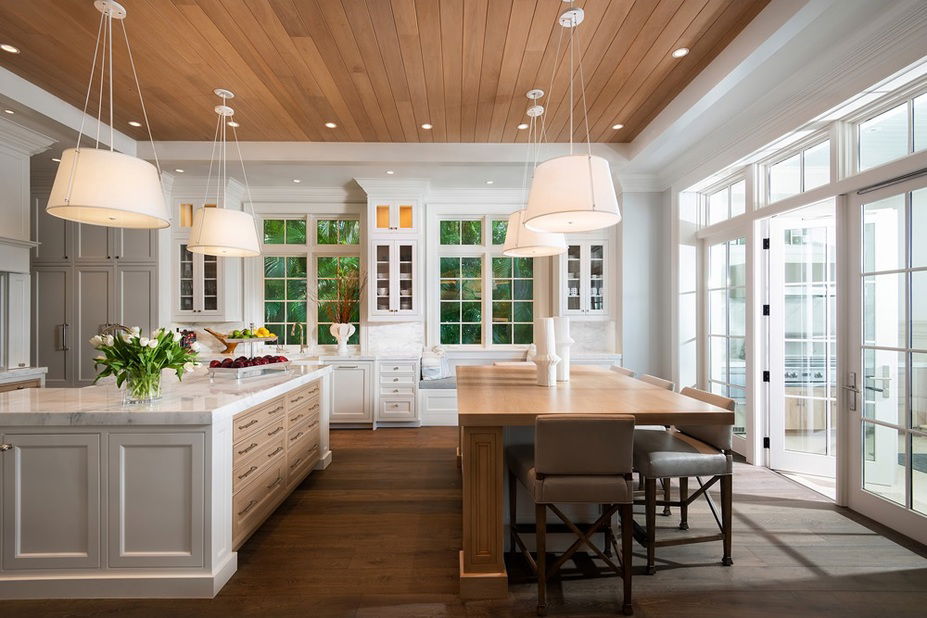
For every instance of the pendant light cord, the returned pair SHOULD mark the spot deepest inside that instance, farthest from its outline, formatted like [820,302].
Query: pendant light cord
[212,157]
[103,49]
[112,130]
[93,68]
[141,99]
[244,175]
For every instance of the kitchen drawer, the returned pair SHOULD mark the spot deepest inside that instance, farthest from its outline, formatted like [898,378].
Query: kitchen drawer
[250,421]
[251,505]
[251,466]
[302,413]
[396,409]
[396,391]
[397,367]
[398,380]
[301,458]
[304,395]
[266,432]
[302,429]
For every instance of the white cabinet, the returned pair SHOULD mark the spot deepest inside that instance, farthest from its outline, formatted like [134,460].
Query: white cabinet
[393,284]
[397,388]
[17,293]
[393,217]
[51,501]
[351,392]
[583,279]
[204,286]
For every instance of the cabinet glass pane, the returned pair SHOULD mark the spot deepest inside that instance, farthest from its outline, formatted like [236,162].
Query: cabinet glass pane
[186,279]
[383,216]
[405,217]
[883,138]
[574,278]
[596,277]
[383,277]
[406,277]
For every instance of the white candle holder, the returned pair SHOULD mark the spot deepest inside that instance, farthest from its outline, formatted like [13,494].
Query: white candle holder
[563,343]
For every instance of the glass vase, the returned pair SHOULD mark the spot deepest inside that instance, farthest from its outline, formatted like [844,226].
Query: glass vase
[142,388]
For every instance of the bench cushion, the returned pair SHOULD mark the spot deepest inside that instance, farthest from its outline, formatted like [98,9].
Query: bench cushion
[669,453]
[443,383]
[554,489]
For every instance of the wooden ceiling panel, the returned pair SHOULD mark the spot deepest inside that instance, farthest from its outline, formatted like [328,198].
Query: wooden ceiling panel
[379,69]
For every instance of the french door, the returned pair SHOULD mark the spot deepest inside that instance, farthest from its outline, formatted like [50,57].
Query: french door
[803,340]
[886,381]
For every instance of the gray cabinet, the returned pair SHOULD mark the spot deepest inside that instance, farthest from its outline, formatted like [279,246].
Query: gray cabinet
[52,294]
[52,234]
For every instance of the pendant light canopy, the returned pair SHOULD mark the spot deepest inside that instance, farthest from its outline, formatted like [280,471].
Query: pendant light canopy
[519,240]
[576,192]
[222,231]
[105,187]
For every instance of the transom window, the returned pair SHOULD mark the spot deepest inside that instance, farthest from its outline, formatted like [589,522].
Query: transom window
[893,134]
[461,232]
[727,202]
[328,231]
[803,171]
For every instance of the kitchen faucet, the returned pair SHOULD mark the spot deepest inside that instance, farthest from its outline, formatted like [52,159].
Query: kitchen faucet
[302,335]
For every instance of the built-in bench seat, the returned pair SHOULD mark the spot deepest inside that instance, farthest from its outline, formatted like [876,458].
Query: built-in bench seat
[441,384]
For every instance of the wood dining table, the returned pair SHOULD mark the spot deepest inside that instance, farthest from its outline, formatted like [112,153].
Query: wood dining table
[491,398]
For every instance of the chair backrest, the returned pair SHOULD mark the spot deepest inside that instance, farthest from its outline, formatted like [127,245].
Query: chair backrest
[583,444]
[670,386]
[622,370]
[718,436]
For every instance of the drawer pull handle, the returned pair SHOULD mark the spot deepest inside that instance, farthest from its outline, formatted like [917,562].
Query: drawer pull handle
[275,483]
[395,368]
[247,508]
[296,418]
[300,398]
[275,410]
[296,437]
[248,473]
[245,450]
[395,390]
[279,449]
[395,379]
[295,463]
[253,421]
[275,431]
[313,424]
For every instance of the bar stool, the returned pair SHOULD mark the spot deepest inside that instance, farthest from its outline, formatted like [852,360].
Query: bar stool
[576,459]
[682,452]
[622,370]
[670,386]
[659,382]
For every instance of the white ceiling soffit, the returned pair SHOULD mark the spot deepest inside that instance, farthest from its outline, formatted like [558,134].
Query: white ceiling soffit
[796,60]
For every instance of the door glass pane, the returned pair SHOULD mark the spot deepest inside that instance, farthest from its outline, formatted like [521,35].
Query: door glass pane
[737,262]
[884,235]
[817,165]
[919,310]
[718,349]
[883,138]
[785,178]
[737,311]
[717,266]
[717,312]
[919,473]
[884,385]
[919,227]
[883,310]
[919,392]
[883,462]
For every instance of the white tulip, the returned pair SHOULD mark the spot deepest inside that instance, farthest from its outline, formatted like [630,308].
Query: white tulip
[135,331]
[143,341]
[125,336]
[196,346]
[157,333]
[153,343]
[109,340]
[188,367]
[100,357]
[96,340]
[177,336]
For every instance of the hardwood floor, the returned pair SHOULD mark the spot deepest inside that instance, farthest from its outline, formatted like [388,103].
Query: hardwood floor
[377,534]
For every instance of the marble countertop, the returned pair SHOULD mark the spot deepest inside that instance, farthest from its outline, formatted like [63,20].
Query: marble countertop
[196,400]
[17,374]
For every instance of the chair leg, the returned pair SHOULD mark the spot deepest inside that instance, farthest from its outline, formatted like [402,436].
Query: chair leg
[683,508]
[627,540]
[650,497]
[540,519]
[513,495]
[667,496]
[727,494]
[607,533]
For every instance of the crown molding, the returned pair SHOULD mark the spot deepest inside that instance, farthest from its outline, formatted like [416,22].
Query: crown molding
[414,188]
[308,194]
[477,196]
[21,140]
[640,183]
[20,244]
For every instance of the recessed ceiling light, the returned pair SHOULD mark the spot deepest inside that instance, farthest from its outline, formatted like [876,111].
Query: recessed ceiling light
[135,123]
[330,125]
[489,182]
[426,126]
[523,126]
[8,111]
[233,124]
[9,48]
[617,126]
[679,53]
[390,172]
[297,180]
[56,159]
[179,171]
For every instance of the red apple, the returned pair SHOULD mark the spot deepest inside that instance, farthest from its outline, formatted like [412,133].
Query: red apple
[215,363]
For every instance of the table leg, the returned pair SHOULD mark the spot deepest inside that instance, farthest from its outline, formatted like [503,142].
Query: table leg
[482,566]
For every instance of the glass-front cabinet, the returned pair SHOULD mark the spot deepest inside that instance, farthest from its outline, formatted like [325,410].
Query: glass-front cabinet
[583,279]
[392,289]
[397,216]
[199,293]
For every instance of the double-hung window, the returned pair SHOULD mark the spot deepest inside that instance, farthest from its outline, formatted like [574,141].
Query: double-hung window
[307,260]
[484,298]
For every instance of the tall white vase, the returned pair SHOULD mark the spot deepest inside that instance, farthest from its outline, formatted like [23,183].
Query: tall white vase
[564,343]
[341,333]
[546,358]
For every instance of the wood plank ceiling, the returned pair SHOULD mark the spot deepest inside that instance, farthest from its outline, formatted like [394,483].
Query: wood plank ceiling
[379,69]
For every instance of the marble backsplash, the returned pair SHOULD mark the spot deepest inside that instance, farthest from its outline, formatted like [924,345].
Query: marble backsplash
[402,339]
[593,337]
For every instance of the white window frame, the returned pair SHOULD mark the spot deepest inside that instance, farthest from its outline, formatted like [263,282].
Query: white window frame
[797,148]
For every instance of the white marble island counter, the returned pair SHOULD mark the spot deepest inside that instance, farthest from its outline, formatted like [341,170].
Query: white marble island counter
[99,499]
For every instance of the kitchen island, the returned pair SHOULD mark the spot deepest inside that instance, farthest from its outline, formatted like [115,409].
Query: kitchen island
[100,499]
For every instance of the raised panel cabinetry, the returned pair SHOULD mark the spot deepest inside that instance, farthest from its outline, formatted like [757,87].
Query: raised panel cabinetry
[352,395]
[394,293]
[397,389]
[393,217]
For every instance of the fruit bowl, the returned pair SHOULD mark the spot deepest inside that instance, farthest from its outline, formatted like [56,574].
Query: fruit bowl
[242,366]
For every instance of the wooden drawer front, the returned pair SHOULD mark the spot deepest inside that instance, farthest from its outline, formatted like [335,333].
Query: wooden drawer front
[300,415]
[397,367]
[301,429]
[251,506]
[396,391]
[18,386]
[301,458]
[399,409]
[396,380]
[255,462]
[306,395]
[250,421]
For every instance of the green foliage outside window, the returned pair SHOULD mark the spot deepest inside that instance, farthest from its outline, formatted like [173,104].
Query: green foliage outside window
[512,300]
[285,299]
[284,231]
[329,270]
[461,300]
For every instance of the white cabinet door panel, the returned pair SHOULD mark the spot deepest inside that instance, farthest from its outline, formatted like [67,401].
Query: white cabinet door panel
[351,395]
[156,488]
[51,501]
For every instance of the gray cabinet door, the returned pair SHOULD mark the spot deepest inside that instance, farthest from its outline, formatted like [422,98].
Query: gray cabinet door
[94,304]
[136,297]
[92,243]
[52,291]
[52,234]
[135,245]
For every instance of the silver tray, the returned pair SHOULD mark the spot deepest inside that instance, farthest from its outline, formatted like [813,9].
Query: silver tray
[247,372]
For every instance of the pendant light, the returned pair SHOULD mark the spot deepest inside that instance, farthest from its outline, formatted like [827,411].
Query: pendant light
[222,231]
[105,187]
[574,192]
[519,240]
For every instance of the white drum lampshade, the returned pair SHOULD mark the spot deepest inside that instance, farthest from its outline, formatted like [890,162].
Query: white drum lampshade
[572,193]
[104,187]
[522,242]
[224,232]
